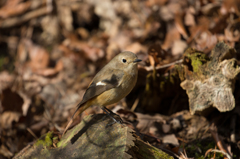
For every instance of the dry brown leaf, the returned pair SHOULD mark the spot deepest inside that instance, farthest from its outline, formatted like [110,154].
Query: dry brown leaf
[22,53]
[91,53]
[13,7]
[5,152]
[51,29]
[230,6]
[146,121]
[151,60]
[37,11]
[165,13]
[112,50]
[17,7]
[33,80]
[26,102]
[172,35]
[231,36]
[47,72]
[34,87]
[156,55]
[151,27]
[51,71]
[170,139]
[39,57]
[123,7]
[83,33]
[189,19]
[203,25]
[210,8]
[65,14]
[122,40]
[8,117]
[6,80]
[206,41]
[39,125]
[178,48]
[166,128]
[179,25]
[136,47]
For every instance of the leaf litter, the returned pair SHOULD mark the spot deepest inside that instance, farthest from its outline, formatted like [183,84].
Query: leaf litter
[50,52]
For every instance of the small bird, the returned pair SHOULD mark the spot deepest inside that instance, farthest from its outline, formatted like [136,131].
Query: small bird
[112,83]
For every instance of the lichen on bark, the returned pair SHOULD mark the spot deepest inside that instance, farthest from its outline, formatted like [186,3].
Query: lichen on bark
[209,81]
[95,137]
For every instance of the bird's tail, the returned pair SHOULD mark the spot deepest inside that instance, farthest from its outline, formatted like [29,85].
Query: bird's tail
[79,110]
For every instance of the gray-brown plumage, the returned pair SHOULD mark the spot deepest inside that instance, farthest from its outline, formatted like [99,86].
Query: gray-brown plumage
[112,83]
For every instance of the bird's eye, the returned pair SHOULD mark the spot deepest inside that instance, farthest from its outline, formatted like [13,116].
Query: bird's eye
[124,60]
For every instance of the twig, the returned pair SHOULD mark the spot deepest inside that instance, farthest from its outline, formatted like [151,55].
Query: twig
[32,133]
[135,104]
[214,133]
[150,68]
[10,22]
[233,128]
[25,149]
[218,151]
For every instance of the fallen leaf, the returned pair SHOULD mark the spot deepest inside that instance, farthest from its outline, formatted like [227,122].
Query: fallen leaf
[172,35]
[8,117]
[5,152]
[6,80]
[170,139]
[26,102]
[179,25]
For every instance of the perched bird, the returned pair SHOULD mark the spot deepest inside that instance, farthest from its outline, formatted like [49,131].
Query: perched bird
[112,83]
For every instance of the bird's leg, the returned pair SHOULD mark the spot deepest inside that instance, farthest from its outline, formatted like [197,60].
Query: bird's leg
[110,113]
[114,114]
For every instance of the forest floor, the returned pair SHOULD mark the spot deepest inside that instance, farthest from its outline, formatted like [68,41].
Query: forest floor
[50,51]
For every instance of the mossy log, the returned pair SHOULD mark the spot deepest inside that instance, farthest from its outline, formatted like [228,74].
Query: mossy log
[209,81]
[95,137]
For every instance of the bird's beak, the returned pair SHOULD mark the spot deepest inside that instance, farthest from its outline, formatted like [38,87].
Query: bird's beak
[137,60]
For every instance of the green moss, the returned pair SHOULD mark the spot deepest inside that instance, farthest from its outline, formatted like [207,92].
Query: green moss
[84,75]
[63,143]
[148,151]
[162,84]
[2,59]
[197,60]
[69,135]
[154,75]
[198,150]
[147,88]
[180,72]
[159,154]
[55,138]
[6,62]
[148,81]
[47,140]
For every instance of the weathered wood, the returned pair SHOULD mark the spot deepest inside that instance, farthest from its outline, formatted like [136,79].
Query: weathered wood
[95,137]
[209,81]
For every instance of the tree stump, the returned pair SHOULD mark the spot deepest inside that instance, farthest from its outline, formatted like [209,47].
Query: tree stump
[95,137]
[209,81]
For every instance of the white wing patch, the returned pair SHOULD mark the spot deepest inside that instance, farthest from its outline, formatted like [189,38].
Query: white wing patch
[100,83]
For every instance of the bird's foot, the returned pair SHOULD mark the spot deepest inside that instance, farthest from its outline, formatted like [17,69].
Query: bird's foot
[111,114]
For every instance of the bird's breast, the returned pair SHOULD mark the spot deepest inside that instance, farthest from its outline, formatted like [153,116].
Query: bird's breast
[116,94]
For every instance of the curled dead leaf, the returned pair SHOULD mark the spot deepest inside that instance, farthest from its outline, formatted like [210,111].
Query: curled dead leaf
[8,117]
[26,102]
[6,80]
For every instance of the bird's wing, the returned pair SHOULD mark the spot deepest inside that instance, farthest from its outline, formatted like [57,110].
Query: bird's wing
[101,84]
